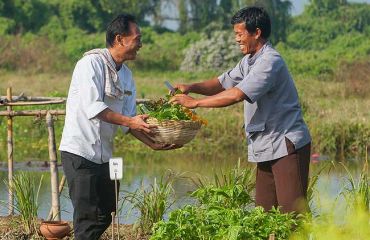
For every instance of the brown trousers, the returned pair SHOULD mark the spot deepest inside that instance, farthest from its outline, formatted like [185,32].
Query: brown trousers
[283,182]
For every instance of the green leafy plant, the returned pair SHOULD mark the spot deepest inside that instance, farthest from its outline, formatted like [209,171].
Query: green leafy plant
[211,222]
[224,212]
[162,109]
[231,189]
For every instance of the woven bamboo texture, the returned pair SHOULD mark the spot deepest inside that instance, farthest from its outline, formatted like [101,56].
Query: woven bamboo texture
[174,132]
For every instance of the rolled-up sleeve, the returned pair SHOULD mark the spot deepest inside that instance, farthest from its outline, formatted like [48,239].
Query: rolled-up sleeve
[232,77]
[91,86]
[261,78]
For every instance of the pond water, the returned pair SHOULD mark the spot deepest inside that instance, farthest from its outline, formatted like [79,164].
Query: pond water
[144,168]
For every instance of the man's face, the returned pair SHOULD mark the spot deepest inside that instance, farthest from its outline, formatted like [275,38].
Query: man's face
[132,42]
[247,41]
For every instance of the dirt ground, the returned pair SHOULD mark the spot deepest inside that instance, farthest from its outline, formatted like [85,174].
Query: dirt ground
[11,229]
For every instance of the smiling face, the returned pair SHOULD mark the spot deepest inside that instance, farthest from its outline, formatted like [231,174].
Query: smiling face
[249,42]
[131,43]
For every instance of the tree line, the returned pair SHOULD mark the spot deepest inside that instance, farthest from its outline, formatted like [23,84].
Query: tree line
[22,16]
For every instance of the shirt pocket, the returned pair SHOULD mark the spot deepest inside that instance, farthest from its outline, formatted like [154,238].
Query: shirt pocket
[258,138]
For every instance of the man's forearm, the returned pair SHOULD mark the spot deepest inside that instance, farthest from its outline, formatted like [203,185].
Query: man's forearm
[109,116]
[222,99]
[208,88]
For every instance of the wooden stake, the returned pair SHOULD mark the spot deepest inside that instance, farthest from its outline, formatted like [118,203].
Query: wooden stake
[55,204]
[272,236]
[112,213]
[10,154]
[61,186]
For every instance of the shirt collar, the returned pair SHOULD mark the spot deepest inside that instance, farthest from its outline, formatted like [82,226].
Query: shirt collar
[251,60]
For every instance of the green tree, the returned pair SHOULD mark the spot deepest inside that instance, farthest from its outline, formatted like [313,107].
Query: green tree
[320,7]
[28,15]
[183,16]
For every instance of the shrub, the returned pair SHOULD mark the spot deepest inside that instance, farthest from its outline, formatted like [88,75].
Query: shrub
[216,53]
[31,53]
[6,25]
[162,51]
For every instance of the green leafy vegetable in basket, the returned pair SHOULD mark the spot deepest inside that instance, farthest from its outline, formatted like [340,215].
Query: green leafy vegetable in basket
[163,110]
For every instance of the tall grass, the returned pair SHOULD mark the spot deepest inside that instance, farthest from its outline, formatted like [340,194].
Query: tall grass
[152,202]
[344,220]
[358,191]
[26,192]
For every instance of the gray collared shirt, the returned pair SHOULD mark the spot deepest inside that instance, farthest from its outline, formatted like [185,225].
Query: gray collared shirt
[273,112]
[84,134]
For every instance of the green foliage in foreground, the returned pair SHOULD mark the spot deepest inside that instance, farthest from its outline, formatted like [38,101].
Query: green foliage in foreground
[224,212]
[214,218]
[192,223]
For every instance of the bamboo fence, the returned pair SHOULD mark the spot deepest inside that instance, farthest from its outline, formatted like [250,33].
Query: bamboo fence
[10,101]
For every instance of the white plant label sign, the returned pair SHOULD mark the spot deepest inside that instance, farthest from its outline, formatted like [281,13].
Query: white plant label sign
[115,168]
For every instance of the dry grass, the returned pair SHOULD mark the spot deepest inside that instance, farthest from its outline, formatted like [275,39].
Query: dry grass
[328,101]
[356,78]
[33,54]
[43,84]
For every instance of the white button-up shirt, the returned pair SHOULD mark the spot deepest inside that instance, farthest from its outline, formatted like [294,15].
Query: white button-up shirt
[83,133]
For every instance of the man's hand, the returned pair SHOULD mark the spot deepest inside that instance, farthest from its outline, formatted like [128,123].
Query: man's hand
[184,88]
[163,146]
[138,123]
[184,100]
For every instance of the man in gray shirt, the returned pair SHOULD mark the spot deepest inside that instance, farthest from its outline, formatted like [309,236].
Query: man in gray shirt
[278,138]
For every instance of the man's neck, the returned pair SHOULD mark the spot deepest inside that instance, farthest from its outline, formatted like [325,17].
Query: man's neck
[260,45]
[117,58]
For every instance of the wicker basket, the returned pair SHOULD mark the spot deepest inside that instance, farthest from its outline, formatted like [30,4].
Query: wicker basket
[174,132]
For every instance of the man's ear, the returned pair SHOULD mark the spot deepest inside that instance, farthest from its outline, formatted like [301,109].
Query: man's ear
[118,39]
[258,33]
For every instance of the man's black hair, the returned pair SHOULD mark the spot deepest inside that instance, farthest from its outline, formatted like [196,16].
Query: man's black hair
[118,26]
[254,17]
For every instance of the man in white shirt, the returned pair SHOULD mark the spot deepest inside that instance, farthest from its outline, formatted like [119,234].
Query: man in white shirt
[101,98]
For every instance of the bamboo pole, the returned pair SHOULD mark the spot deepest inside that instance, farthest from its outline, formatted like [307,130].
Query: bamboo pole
[61,186]
[22,103]
[21,97]
[10,154]
[55,204]
[32,113]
